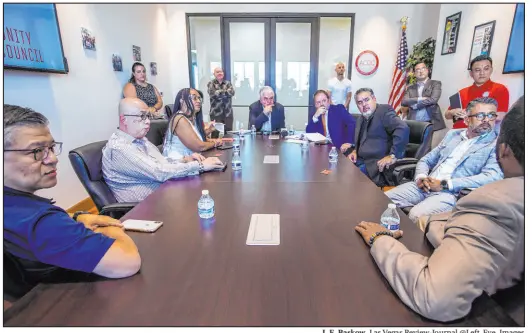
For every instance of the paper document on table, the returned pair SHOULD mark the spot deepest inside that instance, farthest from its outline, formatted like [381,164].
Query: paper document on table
[236,132]
[271,159]
[294,141]
[274,137]
[296,137]
[264,229]
[315,137]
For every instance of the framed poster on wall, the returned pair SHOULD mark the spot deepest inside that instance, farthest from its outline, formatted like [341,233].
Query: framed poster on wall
[32,40]
[482,40]
[450,35]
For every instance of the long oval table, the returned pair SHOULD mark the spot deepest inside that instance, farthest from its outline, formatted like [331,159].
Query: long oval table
[197,272]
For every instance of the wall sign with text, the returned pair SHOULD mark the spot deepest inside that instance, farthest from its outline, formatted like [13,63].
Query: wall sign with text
[367,62]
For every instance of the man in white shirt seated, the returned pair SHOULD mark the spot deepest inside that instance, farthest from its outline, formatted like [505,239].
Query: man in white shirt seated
[339,87]
[133,167]
[479,248]
[464,159]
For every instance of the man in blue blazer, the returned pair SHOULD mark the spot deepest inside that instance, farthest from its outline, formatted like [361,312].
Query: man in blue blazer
[332,121]
[464,159]
[266,114]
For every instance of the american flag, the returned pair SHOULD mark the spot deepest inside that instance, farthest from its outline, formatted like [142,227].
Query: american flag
[399,74]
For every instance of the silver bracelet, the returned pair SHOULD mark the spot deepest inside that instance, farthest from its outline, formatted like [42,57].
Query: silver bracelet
[201,168]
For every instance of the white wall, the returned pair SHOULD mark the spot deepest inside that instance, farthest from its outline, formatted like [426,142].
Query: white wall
[452,70]
[377,28]
[82,105]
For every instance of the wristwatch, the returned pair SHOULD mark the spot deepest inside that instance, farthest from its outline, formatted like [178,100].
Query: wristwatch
[444,185]
[393,157]
[78,213]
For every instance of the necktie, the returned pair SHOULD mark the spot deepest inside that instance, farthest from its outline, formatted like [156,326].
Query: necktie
[324,125]
[142,145]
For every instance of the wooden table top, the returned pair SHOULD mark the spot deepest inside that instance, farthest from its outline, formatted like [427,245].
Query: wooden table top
[196,273]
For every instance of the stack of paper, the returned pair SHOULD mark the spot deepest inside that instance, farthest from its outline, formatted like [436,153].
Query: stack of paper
[315,137]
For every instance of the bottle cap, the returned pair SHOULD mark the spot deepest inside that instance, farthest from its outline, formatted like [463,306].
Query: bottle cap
[392,206]
[205,192]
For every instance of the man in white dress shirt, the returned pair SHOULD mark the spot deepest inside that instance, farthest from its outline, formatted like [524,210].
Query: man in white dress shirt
[339,87]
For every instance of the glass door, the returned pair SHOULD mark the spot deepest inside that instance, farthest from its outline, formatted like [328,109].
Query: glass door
[278,52]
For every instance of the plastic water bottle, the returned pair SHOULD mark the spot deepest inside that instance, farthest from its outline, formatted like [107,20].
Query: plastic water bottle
[333,155]
[206,205]
[390,218]
[236,162]
[241,133]
[305,143]
[236,143]
[291,131]
[253,130]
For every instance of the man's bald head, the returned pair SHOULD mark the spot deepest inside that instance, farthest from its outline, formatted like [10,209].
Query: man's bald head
[131,105]
[128,110]
[218,73]
[340,68]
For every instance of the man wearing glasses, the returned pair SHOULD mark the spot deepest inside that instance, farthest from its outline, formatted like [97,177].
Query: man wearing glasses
[422,98]
[133,167]
[42,243]
[464,159]
[480,70]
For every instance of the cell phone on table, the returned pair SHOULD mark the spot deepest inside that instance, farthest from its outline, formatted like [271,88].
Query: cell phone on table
[225,146]
[142,225]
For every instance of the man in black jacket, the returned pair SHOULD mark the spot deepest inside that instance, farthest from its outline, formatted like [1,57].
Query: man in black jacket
[380,137]
[266,114]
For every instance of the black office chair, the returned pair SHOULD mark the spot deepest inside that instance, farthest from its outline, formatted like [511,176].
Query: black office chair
[87,163]
[419,144]
[168,110]
[157,132]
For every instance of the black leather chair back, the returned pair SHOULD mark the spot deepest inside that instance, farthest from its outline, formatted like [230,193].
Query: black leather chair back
[87,163]
[420,140]
[157,131]
[168,110]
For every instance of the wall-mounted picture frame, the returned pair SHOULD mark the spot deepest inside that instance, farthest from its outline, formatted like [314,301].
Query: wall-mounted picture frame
[482,40]
[515,53]
[450,34]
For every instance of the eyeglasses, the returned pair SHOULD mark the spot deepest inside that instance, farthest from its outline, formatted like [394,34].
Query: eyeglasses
[143,116]
[419,70]
[41,153]
[480,116]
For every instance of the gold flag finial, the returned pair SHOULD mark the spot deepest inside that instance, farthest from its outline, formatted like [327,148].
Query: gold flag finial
[404,22]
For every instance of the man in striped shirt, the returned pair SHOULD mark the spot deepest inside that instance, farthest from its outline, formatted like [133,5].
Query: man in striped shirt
[133,167]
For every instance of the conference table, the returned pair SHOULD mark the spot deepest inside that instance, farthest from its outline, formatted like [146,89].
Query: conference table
[201,272]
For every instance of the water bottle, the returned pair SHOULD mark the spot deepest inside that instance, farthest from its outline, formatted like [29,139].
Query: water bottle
[291,131]
[236,163]
[206,205]
[305,143]
[241,133]
[253,130]
[236,143]
[333,155]
[390,218]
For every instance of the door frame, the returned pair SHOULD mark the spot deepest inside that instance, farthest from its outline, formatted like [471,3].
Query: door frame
[269,34]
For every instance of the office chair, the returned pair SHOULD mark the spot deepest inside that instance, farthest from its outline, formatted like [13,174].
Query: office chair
[87,163]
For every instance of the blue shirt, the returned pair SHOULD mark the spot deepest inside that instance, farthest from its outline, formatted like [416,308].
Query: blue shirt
[38,231]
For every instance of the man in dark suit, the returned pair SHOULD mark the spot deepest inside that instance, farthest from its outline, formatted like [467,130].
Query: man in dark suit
[266,114]
[422,98]
[332,121]
[381,137]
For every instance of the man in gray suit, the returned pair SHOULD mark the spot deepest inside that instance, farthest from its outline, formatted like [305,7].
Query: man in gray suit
[422,98]
[479,247]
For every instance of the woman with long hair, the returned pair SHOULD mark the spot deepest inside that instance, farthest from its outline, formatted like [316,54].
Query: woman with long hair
[138,87]
[186,132]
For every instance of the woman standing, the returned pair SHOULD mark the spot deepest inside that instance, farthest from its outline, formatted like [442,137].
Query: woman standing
[138,87]
[186,132]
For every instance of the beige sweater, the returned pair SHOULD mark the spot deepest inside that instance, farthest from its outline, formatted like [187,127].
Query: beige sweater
[479,248]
